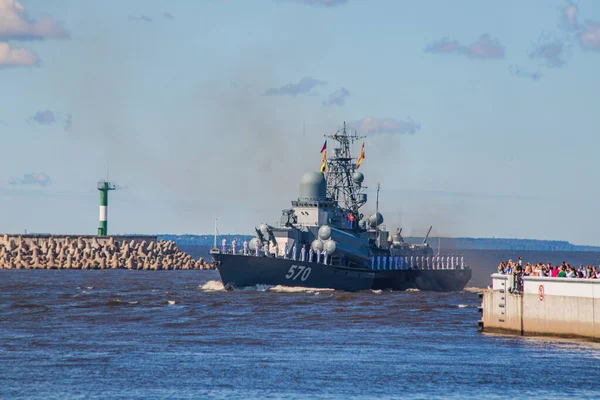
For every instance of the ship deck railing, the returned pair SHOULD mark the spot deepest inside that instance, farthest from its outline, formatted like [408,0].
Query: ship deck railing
[374,266]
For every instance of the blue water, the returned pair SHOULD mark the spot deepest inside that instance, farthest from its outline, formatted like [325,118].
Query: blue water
[176,334]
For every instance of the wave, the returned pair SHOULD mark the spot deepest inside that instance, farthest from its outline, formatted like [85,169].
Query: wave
[297,289]
[213,286]
[473,290]
[116,303]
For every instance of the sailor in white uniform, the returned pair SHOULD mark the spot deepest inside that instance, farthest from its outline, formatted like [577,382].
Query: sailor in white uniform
[311,254]
[245,247]
[325,257]
[462,262]
[233,245]
[276,251]
[318,256]
[303,253]
[224,245]
[266,247]
[294,252]
[257,248]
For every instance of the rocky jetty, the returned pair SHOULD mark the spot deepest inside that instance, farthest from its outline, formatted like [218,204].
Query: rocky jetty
[79,253]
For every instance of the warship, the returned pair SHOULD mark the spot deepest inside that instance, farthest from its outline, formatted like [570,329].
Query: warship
[324,241]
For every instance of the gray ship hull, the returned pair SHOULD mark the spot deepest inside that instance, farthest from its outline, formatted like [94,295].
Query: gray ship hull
[242,271]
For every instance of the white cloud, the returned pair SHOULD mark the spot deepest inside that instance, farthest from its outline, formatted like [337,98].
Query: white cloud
[590,37]
[10,57]
[34,178]
[16,25]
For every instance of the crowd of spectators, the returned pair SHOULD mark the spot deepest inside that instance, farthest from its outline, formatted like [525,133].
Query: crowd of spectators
[565,270]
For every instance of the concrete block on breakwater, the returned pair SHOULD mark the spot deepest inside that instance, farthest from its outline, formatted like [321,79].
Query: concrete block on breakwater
[91,252]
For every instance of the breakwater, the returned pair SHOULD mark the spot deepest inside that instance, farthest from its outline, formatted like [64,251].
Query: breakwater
[91,252]
[544,306]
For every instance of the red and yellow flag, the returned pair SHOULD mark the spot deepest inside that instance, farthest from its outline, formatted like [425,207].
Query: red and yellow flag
[324,157]
[362,155]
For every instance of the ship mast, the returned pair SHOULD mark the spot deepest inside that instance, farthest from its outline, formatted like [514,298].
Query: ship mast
[377,217]
[340,169]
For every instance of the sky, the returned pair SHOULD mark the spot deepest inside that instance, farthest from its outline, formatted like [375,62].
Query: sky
[480,117]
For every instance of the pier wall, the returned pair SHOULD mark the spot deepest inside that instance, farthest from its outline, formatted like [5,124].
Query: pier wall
[564,307]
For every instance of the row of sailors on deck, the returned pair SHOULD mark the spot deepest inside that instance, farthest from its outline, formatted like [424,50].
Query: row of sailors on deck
[412,262]
[286,251]
[377,262]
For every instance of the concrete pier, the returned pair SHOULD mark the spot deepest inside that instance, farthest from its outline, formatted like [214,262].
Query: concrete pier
[562,307]
[92,252]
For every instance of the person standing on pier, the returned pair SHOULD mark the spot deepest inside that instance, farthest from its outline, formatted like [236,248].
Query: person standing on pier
[245,247]
[285,251]
[224,245]
[294,252]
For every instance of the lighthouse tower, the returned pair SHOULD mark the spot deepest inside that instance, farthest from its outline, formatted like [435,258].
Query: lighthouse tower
[104,187]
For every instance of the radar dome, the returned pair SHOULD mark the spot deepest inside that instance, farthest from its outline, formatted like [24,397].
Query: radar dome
[313,187]
[330,246]
[317,245]
[324,232]
[358,177]
[362,224]
[375,220]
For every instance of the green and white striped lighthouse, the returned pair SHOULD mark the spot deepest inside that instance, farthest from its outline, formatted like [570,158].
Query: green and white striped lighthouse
[104,187]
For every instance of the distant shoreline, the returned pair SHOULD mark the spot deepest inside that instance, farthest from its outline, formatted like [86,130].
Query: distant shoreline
[460,243]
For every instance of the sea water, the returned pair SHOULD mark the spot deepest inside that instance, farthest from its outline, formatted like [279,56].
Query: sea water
[178,334]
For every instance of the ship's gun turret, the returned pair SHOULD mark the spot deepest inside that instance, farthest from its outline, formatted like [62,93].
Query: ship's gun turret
[397,238]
